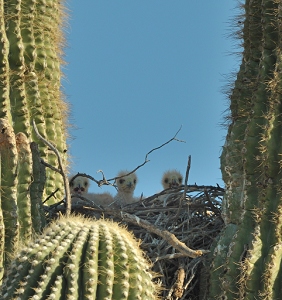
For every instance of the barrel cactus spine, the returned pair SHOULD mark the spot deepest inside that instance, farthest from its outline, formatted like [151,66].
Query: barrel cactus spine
[77,257]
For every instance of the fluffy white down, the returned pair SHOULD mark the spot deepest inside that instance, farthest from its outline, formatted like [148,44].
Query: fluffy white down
[171,179]
[126,186]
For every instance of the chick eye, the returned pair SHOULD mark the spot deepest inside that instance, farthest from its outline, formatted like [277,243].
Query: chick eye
[134,181]
[85,183]
[166,180]
[71,184]
[121,181]
[180,179]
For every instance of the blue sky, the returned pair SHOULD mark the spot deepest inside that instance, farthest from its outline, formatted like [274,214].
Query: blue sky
[137,71]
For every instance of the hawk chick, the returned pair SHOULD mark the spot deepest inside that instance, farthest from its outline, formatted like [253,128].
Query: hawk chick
[126,186]
[79,186]
[171,179]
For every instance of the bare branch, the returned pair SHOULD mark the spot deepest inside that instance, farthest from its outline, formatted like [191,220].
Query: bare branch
[164,234]
[172,139]
[146,156]
[61,168]
[51,195]
[50,166]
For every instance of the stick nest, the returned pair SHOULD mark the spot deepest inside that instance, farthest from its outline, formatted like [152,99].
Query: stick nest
[176,229]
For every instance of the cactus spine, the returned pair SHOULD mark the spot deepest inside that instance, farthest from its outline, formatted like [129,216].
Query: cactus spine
[247,258]
[78,258]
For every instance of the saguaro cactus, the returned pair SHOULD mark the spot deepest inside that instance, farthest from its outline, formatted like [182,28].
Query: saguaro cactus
[76,258]
[247,258]
[31,43]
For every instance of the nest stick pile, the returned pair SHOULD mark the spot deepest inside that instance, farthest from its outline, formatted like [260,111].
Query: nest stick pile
[176,229]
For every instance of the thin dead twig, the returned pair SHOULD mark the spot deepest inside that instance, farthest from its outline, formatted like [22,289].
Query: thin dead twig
[51,195]
[146,160]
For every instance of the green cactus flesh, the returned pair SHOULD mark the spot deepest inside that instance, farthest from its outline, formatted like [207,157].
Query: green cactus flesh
[8,191]
[24,181]
[31,42]
[247,259]
[78,258]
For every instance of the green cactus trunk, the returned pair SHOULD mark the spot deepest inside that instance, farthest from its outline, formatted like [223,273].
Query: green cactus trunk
[31,54]
[31,42]
[78,258]
[247,257]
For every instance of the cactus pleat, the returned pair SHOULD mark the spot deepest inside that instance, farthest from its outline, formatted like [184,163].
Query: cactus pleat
[78,258]
[247,259]
[5,109]
[36,190]
[90,268]
[24,181]
[9,160]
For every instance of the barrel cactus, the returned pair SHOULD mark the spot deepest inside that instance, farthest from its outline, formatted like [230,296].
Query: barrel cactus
[79,258]
[247,257]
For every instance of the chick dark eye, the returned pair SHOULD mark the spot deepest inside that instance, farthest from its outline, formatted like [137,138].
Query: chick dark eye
[85,184]
[180,179]
[71,184]
[166,180]
[121,181]
[134,181]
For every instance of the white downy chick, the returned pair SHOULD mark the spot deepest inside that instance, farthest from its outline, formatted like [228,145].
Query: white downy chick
[78,187]
[171,179]
[126,186]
